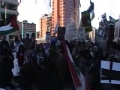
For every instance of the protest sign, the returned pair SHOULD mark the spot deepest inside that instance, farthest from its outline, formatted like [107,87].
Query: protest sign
[70,31]
[81,34]
[110,72]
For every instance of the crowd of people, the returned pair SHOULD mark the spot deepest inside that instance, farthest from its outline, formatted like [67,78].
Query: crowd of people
[48,70]
[38,70]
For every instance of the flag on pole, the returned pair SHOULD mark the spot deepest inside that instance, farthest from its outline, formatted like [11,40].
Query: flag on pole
[86,21]
[91,10]
[8,25]
[112,20]
[104,19]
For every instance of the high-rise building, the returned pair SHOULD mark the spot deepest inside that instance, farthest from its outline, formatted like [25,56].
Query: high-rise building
[28,28]
[64,12]
[45,25]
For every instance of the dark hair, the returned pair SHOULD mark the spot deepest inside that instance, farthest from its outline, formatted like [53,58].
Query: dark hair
[21,46]
[38,48]
[27,34]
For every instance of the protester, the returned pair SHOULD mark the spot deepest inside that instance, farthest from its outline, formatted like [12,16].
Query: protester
[7,65]
[17,43]
[21,56]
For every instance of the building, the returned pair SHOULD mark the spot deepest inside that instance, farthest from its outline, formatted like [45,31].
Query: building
[7,8]
[28,28]
[45,25]
[11,8]
[64,12]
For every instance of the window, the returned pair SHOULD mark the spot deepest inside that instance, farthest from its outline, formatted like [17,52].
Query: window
[3,15]
[9,6]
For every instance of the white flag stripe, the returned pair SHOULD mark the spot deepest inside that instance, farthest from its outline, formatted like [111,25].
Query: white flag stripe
[81,77]
[6,28]
[112,81]
[106,65]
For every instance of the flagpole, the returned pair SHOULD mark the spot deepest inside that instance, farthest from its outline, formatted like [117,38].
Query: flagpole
[22,30]
[5,12]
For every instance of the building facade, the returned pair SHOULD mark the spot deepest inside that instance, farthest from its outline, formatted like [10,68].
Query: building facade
[27,28]
[8,8]
[64,12]
[45,25]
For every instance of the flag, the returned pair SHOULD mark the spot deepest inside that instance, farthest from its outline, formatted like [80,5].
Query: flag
[53,41]
[86,21]
[78,78]
[8,25]
[104,19]
[91,10]
[112,20]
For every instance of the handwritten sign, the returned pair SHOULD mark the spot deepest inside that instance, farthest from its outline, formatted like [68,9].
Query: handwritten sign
[70,32]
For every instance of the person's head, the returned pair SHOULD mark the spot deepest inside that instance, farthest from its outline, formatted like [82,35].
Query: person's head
[33,35]
[27,36]
[16,38]
[21,48]
[40,49]
[88,44]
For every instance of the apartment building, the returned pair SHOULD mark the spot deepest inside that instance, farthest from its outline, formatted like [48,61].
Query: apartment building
[28,28]
[64,12]
[45,25]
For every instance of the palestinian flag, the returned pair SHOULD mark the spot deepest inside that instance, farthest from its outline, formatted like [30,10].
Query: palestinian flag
[8,25]
[77,77]
[86,21]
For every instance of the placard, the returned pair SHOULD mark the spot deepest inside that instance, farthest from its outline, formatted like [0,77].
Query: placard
[110,72]
[70,31]
[81,34]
